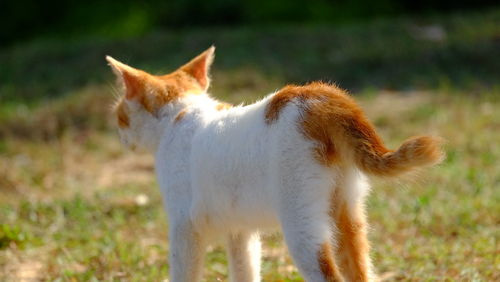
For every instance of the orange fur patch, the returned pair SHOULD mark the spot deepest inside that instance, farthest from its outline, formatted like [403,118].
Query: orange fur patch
[414,152]
[352,241]
[161,90]
[153,92]
[179,116]
[327,110]
[223,106]
[342,131]
[156,91]
[122,116]
[327,263]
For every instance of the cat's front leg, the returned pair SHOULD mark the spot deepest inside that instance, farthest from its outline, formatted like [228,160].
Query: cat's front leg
[243,249]
[187,249]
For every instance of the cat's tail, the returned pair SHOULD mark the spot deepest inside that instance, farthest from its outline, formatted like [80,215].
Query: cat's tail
[372,157]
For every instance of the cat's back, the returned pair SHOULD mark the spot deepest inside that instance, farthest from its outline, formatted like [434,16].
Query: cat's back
[238,133]
[231,167]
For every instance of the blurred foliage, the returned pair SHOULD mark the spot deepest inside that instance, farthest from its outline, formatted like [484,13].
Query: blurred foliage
[453,50]
[24,19]
[11,234]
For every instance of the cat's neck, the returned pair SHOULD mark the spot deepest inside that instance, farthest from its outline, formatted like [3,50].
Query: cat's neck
[202,102]
[198,106]
[185,115]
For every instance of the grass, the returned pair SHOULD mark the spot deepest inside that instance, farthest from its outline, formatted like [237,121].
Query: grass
[75,206]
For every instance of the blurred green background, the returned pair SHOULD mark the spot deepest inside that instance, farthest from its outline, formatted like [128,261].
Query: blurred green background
[26,19]
[50,49]
[75,206]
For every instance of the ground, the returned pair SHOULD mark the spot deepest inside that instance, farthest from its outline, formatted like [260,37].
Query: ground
[74,205]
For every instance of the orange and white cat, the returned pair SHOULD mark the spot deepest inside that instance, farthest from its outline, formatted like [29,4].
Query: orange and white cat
[296,159]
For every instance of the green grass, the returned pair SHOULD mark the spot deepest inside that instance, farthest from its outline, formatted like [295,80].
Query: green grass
[75,206]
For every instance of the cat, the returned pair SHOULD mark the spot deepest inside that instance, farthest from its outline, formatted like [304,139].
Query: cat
[297,159]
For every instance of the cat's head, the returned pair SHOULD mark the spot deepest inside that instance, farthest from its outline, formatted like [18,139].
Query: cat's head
[145,98]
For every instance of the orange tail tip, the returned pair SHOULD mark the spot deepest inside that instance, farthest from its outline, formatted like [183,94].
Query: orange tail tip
[414,153]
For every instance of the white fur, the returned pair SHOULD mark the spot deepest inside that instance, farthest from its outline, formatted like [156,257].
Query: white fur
[227,175]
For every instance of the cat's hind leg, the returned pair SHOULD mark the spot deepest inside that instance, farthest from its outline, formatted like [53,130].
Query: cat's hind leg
[347,212]
[244,251]
[309,235]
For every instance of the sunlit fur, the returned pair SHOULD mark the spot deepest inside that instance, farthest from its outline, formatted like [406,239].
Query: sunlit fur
[296,159]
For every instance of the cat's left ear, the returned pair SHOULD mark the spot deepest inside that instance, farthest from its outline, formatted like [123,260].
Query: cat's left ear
[199,67]
[130,78]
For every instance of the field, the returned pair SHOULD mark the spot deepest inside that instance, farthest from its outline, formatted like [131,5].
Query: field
[76,206]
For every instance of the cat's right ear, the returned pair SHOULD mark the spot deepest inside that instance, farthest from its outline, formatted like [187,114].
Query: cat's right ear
[199,67]
[129,78]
